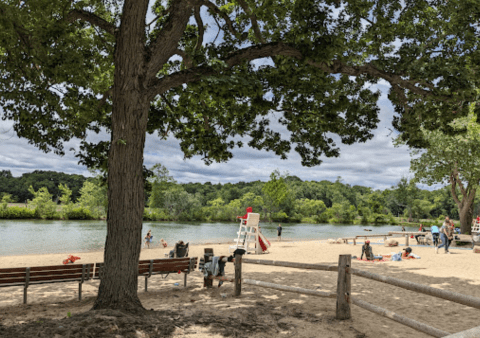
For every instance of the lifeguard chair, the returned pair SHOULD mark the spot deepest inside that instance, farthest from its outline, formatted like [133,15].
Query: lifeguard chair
[248,239]
[476,227]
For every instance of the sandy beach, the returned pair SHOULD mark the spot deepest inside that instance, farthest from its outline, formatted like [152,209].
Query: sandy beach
[294,315]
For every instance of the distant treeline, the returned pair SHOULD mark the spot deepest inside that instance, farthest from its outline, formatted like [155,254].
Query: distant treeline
[18,187]
[284,198]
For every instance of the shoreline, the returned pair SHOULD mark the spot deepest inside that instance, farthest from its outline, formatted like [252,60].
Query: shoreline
[157,247]
[360,241]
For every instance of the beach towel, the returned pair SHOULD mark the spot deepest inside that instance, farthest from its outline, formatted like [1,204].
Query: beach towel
[374,260]
[70,259]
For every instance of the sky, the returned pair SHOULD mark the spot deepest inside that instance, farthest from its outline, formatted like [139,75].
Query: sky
[376,163]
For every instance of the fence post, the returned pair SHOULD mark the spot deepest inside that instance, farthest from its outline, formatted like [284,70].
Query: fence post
[406,240]
[208,255]
[238,275]
[344,286]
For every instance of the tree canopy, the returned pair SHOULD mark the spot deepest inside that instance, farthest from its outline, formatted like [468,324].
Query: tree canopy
[455,160]
[73,68]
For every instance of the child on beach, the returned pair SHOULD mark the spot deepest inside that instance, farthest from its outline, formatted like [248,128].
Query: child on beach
[148,238]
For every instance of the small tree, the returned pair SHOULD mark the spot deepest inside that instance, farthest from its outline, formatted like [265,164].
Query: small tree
[65,198]
[275,192]
[42,200]
[453,159]
[93,197]
[176,200]
[160,181]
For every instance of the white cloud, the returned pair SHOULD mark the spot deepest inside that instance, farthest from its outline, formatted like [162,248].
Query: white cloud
[376,163]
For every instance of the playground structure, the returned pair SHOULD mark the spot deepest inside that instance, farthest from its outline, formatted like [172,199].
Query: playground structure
[248,235]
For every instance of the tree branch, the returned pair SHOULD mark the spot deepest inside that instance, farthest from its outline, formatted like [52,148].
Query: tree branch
[165,12]
[166,43]
[340,67]
[452,187]
[253,19]
[160,86]
[186,59]
[457,179]
[225,17]
[201,29]
[104,98]
[93,19]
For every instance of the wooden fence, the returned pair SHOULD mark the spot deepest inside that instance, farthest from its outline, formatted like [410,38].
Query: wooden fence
[343,292]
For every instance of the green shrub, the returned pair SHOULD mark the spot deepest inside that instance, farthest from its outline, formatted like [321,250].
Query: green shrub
[323,217]
[279,217]
[154,214]
[78,213]
[310,220]
[18,213]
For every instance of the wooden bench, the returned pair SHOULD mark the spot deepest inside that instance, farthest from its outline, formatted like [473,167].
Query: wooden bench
[346,239]
[463,238]
[164,266]
[46,274]
[373,235]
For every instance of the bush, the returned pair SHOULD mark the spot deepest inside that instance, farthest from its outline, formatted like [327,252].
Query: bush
[310,220]
[78,213]
[151,214]
[323,217]
[279,217]
[18,213]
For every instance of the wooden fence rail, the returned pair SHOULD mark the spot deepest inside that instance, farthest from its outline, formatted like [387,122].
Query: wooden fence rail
[323,267]
[290,288]
[400,319]
[472,333]
[439,293]
[344,298]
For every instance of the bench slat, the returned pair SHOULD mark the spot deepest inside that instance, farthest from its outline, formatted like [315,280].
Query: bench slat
[41,273]
[42,282]
[41,278]
[159,265]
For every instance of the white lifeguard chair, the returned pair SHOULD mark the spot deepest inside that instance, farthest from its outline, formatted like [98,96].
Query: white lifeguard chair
[248,235]
[475,227]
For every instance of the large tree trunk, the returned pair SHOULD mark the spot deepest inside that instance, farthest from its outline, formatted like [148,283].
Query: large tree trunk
[119,282]
[466,217]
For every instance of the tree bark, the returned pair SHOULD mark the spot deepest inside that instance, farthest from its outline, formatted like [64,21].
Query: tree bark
[466,217]
[465,206]
[118,285]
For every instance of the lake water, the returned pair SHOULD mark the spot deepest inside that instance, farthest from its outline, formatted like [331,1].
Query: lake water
[22,237]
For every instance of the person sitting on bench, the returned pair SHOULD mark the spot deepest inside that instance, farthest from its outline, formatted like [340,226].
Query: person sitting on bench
[421,229]
[216,267]
[180,250]
[367,250]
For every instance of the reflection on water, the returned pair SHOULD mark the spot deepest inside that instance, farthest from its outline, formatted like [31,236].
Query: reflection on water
[21,237]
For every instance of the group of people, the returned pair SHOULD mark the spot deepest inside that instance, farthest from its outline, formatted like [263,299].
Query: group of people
[149,237]
[446,234]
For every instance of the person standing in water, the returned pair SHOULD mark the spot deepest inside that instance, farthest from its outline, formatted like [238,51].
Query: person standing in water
[148,238]
[279,232]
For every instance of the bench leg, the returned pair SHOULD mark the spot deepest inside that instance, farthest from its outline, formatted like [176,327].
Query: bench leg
[79,291]
[185,280]
[25,295]
[146,284]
